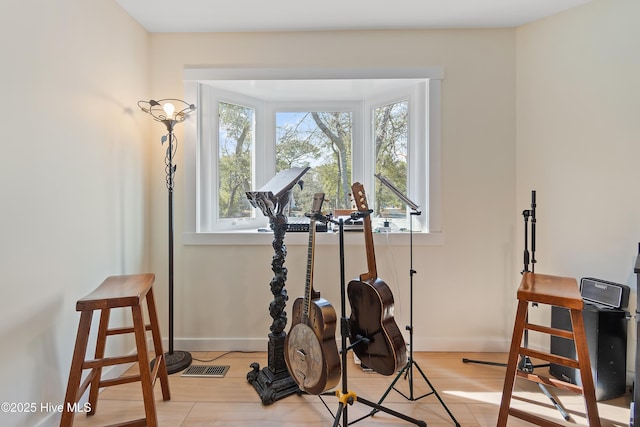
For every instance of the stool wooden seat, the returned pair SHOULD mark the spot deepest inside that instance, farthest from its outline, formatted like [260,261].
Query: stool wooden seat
[560,292]
[117,292]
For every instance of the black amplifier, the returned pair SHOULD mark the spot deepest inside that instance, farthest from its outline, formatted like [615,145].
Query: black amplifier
[606,333]
[608,294]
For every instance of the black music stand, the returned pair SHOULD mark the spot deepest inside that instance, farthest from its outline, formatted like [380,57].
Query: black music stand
[274,381]
[344,395]
[407,370]
[525,364]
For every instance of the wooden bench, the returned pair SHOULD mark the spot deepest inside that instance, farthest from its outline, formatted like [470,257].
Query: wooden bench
[117,292]
[560,292]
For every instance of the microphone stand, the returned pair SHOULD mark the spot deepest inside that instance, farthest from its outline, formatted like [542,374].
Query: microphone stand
[525,364]
[345,396]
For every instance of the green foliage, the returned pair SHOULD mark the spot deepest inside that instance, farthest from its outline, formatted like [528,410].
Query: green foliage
[391,132]
[235,160]
[321,140]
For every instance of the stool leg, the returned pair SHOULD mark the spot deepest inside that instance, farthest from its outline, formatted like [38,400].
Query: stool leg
[145,371]
[75,374]
[512,364]
[588,388]
[101,343]
[157,345]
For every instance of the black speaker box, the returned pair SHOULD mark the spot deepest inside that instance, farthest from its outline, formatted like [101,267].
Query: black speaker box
[604,293]
[606,331]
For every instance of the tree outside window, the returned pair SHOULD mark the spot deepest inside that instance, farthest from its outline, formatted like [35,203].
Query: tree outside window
[235,168]
[391,141]
[249,130]
[321,140]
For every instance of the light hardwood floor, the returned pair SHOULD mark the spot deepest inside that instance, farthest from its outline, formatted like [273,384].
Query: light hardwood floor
[472,393]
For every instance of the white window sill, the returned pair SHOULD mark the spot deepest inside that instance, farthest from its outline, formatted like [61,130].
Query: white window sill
[322,238]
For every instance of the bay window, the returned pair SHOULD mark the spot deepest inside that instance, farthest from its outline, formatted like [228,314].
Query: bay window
[254,123]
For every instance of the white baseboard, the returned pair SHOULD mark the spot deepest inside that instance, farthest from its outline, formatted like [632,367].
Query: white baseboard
[496,345]
[260,344]
[217,344]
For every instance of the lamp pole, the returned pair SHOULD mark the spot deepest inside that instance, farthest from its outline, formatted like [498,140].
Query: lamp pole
[170,182]
[164,112]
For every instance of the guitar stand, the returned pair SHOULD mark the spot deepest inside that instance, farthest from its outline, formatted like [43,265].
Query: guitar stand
[407,370]
[525,364]
[344,395]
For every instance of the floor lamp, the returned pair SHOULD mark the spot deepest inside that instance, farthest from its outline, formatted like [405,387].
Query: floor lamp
[165,111]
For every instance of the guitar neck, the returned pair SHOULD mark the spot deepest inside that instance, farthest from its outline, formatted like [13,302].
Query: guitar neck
[308,288]
[309,293]
[372,272]
[362,206]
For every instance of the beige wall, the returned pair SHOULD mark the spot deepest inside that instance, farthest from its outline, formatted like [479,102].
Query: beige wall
[74,181]
[578,103]
[551,106]
[571,75]
[463,289]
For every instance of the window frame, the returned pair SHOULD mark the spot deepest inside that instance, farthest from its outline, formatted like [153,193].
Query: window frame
[412,97]
[429,151]
[209,206]
[353,107]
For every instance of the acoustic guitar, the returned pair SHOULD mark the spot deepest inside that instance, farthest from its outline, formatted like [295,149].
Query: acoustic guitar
[379,343]
[311,353]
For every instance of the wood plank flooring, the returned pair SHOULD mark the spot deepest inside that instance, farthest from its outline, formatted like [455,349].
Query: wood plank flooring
[471,392]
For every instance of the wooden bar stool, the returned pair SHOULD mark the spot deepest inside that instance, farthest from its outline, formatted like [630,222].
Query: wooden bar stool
[555,291]
[117,292]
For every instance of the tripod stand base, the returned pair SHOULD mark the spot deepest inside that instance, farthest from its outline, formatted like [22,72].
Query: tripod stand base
[526,365]
[483,362]
[407,371]
[351,398]
[523,366]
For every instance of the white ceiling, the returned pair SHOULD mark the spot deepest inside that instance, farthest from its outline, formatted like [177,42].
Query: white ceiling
[297,15]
